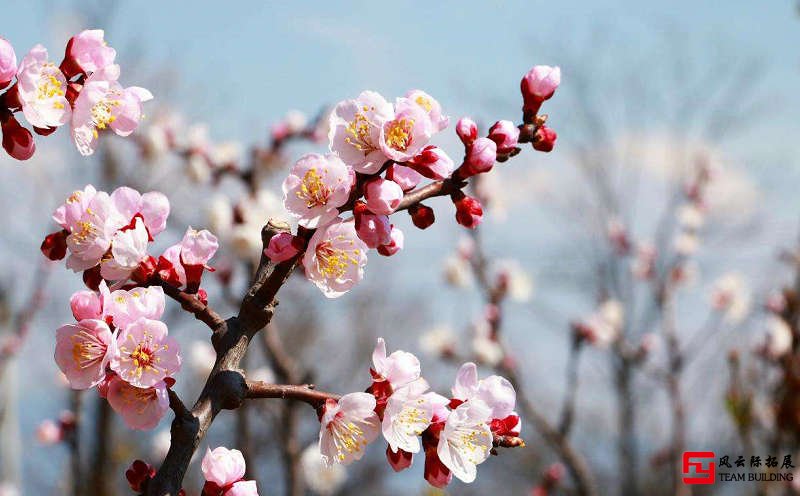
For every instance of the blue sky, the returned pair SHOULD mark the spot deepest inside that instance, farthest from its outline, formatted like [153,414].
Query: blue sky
[246,63]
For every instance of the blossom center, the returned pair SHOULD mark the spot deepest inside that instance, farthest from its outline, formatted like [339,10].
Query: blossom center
[313,189]
[87,349]
[103,114]
[359,130]
[333,262]
[398,134]
[49,87]
[347,437]
[468,442]
[87,231]
[412,419]
[144,355]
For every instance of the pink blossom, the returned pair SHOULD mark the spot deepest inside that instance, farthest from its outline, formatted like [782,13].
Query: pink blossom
[104,103]
[198,247]
[538,85]
[433,163]
[243,488]
[495,391]
[398,369]
[223,466]
[406,416]
[146,354]
[140,408]
[467,130]
[127,306]
[480,158]
[68,214]
[355,131]
[8,63]
[83,351]
[347,426]
[48,432]
[382,196]
[395,245]
[406,177]
[91,230]
[316,186]
[152,207]
[42,90]
[466,440]
[404,135]
[128,249]
[505,134]
[87,52]
[282,247]
[431,107]
[335,258]
[86,305]
[373,230]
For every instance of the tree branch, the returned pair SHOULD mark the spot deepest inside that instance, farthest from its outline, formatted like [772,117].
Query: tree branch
[225,387]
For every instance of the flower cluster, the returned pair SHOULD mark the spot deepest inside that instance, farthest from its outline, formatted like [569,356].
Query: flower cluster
[84,91]
[456,434]
[118,344]
[379,153]
[107,238]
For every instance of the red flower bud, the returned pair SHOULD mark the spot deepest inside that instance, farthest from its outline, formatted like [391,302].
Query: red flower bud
[469,212]
[480,158]
[505,134]
[17,141]
[400,460]
[92,278]
[436,473]
[54,245]
[467,130]
[422,216]
[538,85]
[145,270]
[545,139]
[138,473]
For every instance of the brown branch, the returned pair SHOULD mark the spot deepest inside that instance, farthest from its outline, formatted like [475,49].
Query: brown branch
[436,188]
[305,393]
[225,388]
[192,304]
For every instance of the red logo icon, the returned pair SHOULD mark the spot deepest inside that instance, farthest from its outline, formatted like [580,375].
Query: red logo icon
[702,464]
